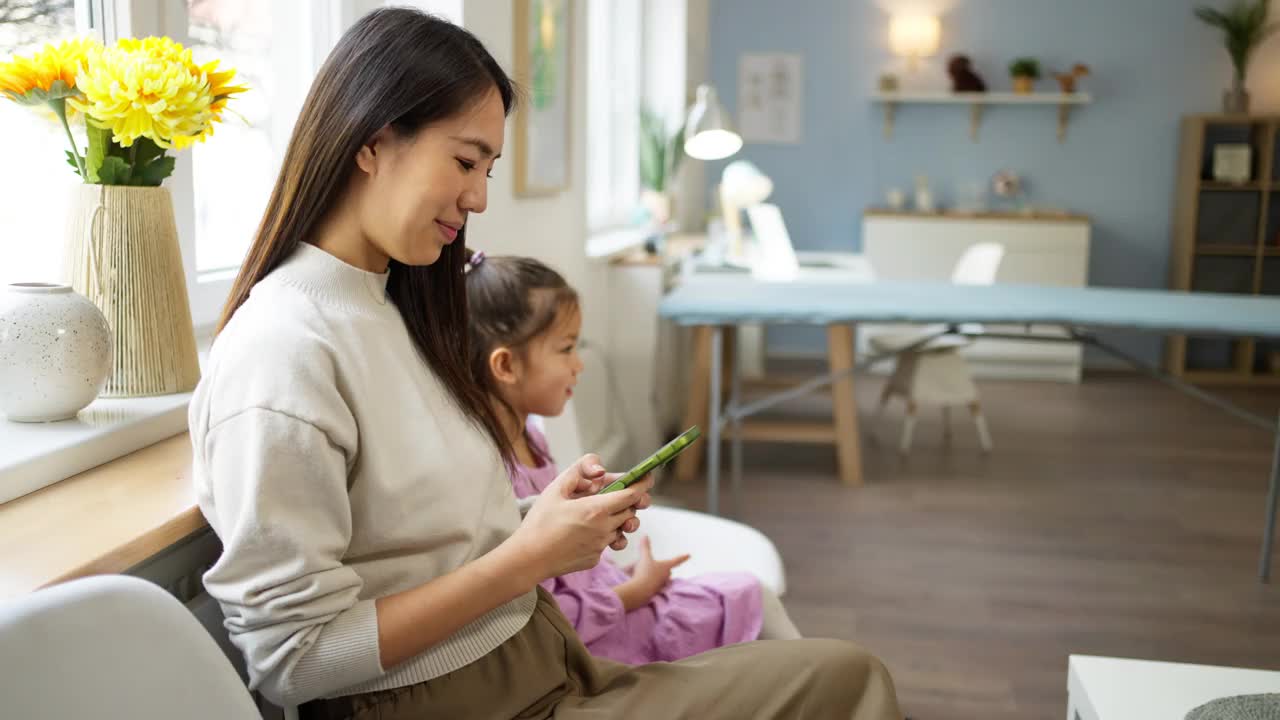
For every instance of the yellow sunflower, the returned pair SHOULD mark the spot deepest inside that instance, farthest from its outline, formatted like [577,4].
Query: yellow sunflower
[222,90]
[145,88]
[49,74]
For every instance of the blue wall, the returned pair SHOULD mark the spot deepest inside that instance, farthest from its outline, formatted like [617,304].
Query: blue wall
[1152,62]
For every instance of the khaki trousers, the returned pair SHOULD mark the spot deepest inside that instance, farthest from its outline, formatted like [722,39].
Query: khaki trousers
[544,671]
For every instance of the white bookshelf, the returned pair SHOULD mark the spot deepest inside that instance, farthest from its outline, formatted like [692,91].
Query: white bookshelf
[978,102]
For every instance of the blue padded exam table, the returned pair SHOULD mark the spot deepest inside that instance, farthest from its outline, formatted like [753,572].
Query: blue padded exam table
[717,301]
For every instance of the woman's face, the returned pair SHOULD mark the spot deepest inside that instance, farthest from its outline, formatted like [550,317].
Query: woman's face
[418,190]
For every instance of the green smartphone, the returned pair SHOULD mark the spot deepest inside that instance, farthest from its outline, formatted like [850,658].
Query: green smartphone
[664,455]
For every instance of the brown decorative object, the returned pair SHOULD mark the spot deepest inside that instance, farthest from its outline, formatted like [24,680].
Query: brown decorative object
[963,78]
[1067,80]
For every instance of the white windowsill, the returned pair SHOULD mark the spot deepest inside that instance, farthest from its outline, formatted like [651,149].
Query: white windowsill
[604,245]
[37,455]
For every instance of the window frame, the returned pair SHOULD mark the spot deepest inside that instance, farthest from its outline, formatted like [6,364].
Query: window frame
[660,67]
[110,20]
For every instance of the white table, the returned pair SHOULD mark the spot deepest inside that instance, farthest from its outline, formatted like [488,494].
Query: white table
[1105,688]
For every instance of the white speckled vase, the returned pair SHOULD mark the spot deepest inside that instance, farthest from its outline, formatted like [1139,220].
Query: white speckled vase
[55,352]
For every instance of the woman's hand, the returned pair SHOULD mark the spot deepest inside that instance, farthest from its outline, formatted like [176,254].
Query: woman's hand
[648,577]
[569,525]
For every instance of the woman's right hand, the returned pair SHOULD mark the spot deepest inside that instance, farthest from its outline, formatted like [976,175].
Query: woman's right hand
[569,525]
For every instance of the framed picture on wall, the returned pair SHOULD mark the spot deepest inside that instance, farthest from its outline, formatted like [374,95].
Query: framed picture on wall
[543,58]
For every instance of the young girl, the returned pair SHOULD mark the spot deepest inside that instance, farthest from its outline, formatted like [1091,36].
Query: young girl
[374,562]
[525,322]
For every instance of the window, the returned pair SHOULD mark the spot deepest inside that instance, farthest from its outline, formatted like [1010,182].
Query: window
[613,102]
[276,47]
[219,188]
[233,176]
[36,181]
[636,58]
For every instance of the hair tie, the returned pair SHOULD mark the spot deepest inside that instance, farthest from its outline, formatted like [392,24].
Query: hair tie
[477,257]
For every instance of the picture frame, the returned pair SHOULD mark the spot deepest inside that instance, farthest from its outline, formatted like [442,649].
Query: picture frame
[544,68]
[1232,163]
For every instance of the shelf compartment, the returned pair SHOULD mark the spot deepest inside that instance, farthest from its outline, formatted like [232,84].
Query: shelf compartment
[1217,133]
[1228,218]
[1232,275]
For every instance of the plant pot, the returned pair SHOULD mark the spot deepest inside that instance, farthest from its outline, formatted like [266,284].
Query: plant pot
[123,255]
[1024,84]
[658,204]
[1236,101]
[55,352]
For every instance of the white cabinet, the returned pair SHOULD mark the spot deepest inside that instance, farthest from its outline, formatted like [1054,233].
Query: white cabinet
[1039,250]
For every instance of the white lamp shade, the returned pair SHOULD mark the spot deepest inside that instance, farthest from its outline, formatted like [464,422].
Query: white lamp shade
[744,185]
[914,36]
[708,134]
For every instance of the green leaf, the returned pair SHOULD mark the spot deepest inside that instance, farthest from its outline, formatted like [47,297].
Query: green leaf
[154,172]
[146,151]
[1212,16]
[677,151]
[114,171]
[99,146]
[71,160]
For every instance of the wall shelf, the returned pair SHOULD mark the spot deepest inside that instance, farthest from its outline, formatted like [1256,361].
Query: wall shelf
[977,102]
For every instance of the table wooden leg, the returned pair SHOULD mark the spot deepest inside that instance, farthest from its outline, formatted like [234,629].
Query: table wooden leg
[695,413]
[844,405]
[697,405]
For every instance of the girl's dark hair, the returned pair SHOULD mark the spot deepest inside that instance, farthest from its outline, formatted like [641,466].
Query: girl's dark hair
[404,69]
[511,301]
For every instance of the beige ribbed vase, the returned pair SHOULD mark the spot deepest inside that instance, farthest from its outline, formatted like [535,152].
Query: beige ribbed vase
[123,254]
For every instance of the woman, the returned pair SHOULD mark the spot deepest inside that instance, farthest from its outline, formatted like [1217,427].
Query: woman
[374,562]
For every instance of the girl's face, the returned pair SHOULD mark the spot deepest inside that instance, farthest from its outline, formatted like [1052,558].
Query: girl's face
[547,371]
[418,190]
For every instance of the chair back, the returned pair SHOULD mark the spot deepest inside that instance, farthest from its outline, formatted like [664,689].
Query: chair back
[113,646]
[979,264]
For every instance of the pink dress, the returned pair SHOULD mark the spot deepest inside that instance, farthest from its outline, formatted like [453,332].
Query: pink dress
[688,616]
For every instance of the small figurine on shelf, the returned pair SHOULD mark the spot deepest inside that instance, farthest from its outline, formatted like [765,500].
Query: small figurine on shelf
[897,199]
[1008,185]
[924,196]
[888,83]
[963,78]
[1067,80]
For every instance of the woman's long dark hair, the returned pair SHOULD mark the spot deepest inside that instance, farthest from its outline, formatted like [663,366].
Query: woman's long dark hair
[402,68]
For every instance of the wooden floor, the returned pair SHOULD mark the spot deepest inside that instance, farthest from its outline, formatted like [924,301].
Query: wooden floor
[1114,518]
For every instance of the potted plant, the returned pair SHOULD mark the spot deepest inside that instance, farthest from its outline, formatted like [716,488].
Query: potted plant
[1244,26]
[1025,72]
[660,154]
[138,100]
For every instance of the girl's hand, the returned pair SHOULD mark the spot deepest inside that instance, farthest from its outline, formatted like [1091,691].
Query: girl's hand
[569,525]
[648,577]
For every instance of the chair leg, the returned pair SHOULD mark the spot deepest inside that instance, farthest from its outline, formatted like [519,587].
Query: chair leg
[873,436]
[908,428]
[980,422]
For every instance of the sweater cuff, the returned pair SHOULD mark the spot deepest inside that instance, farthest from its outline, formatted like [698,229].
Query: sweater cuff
[345,653]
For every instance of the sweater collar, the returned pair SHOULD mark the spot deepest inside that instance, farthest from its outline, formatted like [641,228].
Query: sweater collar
[329,279]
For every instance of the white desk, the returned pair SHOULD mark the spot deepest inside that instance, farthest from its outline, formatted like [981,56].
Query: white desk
[1104,688]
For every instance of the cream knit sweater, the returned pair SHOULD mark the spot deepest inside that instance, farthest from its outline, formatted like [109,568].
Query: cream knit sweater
[336,469]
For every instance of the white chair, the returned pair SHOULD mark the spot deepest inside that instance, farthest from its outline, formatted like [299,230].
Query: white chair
[113,646]
[929,367]
[714,543]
